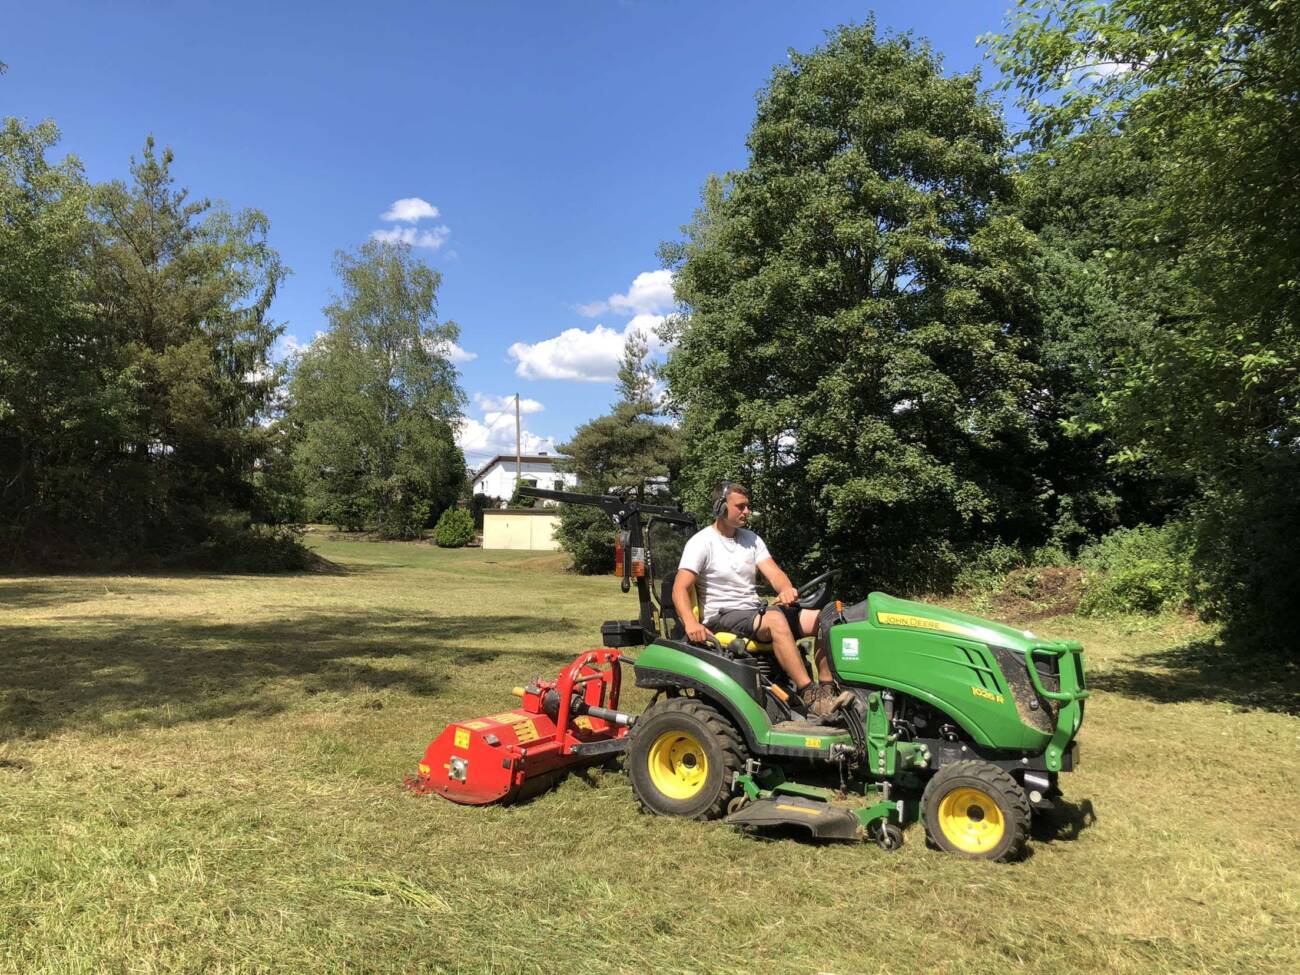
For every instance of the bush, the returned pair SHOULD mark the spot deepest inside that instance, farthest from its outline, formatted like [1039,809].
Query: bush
[403,521]
[1246,560]
[985,572]
[587,534]
[455,529]
[518,500]
[1137,570]
[480,503]
[235,544]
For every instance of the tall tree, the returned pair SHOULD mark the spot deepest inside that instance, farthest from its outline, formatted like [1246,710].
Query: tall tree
[48,358]
[1208,93]
[374,401]
[183,290]
[627,450]
[138,368]
[1089,320]
[852,341]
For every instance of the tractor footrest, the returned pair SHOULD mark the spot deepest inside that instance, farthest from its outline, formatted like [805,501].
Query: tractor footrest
[810,728]
[824,821]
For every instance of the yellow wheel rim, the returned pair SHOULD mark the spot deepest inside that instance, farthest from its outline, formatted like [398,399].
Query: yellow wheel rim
[678,765]
[971,820]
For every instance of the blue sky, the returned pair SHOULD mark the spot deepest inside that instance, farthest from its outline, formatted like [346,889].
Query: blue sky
[558,143]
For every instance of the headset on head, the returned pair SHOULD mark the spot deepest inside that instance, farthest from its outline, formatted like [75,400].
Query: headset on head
[720,503]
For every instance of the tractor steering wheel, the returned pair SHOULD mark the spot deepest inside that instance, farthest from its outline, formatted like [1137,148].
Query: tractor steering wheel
[812,594]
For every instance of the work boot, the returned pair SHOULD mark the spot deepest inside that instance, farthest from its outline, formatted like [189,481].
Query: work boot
[822,700]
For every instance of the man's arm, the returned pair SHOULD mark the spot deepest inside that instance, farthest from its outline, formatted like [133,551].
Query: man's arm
[696,632]
[786,593]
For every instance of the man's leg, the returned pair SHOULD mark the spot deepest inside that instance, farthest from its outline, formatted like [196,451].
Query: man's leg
[771,626]
[808,627]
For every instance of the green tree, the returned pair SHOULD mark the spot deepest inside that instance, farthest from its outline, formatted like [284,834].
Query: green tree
[374,401]
[1089,319]
[48,357]
[1206,386]
[136,372]
[182,289]
[627,450]
[853,340]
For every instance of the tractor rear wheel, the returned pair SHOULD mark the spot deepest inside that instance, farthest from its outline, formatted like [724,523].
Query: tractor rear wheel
[682,756]
[977,810]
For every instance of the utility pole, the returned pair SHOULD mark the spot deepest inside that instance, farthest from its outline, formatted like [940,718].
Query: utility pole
[519,460]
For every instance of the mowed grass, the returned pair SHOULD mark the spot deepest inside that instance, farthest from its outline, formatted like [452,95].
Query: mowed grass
[203,774]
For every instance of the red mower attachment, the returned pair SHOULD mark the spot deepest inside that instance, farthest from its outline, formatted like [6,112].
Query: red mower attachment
[566,723]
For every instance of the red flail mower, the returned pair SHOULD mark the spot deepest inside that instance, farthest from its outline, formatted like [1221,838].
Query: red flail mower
[561,724]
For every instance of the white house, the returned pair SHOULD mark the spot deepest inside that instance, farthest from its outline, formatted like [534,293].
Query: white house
[496,478]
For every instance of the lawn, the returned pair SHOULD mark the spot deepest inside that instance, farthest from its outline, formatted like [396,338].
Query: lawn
[203,774]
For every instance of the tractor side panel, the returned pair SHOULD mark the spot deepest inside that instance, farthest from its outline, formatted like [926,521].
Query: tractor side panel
[658,657]
[660,661]
[959,677]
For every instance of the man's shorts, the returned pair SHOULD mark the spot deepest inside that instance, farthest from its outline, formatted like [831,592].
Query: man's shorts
[741,621]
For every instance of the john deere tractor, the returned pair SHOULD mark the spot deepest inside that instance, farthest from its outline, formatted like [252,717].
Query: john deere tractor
[957,722]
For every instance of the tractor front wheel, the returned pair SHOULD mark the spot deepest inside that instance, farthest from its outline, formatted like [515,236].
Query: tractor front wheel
[977,810]
[682,756]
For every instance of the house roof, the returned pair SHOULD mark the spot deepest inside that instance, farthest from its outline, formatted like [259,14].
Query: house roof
[523,458]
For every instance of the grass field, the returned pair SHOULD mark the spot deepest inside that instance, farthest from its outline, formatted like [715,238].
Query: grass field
[202,774]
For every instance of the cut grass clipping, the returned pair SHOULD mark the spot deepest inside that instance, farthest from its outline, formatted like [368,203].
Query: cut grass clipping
[202,774]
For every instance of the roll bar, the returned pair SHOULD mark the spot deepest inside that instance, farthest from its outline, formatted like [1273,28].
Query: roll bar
[626,513]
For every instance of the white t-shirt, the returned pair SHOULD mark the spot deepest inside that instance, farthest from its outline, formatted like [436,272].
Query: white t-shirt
[725,568]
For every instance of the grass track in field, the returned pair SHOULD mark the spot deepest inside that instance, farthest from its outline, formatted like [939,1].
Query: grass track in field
[202,774]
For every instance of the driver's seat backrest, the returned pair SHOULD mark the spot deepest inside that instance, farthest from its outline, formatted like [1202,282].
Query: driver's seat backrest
[667,611]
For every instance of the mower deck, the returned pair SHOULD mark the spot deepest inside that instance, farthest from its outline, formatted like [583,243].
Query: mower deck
[823,820]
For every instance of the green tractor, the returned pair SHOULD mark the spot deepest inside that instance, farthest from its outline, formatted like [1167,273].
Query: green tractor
[957,722]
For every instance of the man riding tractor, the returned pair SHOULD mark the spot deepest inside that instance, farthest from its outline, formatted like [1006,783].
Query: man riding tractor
[720,563]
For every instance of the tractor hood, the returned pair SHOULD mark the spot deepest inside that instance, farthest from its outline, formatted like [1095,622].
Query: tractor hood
[886,610]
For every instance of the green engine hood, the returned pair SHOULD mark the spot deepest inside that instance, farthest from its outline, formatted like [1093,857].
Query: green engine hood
[888,610]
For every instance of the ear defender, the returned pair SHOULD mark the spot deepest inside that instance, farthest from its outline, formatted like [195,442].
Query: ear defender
[720,503]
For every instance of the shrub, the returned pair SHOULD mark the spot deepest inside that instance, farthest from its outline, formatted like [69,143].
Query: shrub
[1137,570]
[404,520]
[984,572]
[480,503]
[518,500]
[587,534]
[235,544]
[455,529]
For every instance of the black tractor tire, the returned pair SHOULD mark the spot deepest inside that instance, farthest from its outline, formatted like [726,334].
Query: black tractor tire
[682,756]
[976,810]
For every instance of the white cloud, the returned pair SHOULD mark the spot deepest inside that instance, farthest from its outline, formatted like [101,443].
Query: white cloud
[503,404]
[651,291]
[480,441]
[287,345]
[648,326]
[495,432]
[582,356]
[450,351]
[410,209]
[432,238]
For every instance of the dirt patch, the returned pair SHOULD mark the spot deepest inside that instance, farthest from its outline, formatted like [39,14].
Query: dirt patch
[1040,593]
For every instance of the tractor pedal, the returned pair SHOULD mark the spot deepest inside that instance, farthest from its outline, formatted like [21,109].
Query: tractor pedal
[821,819]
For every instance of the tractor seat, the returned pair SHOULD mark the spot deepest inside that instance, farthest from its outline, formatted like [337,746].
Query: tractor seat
[726,639]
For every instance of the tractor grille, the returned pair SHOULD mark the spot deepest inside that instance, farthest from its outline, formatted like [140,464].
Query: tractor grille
[1034,709]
